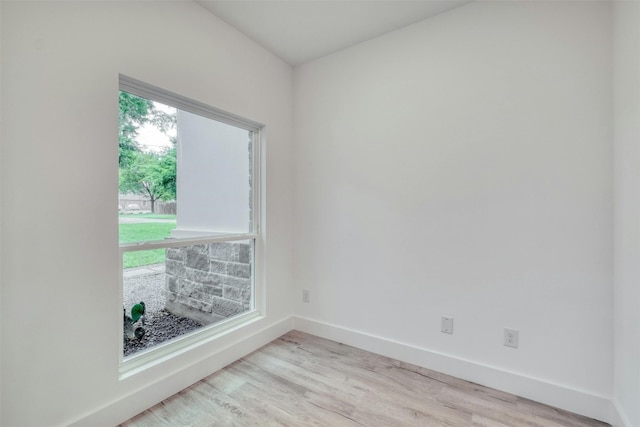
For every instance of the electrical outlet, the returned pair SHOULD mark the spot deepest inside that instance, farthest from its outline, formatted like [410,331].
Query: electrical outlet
[305,295]
[447,324]
[511,337]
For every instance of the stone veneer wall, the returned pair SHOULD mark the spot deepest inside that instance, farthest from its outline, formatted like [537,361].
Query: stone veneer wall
[210,282]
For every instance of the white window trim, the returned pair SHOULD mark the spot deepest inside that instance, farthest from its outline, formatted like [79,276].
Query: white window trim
[180,102]
[150,357]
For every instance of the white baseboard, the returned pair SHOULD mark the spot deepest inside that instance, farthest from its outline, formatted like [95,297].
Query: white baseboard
[136,402]
[557,395]
[619,417]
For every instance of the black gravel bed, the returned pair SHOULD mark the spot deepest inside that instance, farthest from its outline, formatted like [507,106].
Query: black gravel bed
[160,326]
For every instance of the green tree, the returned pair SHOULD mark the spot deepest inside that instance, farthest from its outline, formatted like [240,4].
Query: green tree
[151,174]
[145,172]
[134,113]
[168,173]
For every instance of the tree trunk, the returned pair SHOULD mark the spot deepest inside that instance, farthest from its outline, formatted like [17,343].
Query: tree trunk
[153,205]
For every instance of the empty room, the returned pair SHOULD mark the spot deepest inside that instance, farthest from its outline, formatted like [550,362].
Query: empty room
[330,213]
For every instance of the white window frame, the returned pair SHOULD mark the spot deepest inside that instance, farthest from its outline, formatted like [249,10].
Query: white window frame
[149,357]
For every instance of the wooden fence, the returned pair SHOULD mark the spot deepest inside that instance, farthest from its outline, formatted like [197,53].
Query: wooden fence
[168,208]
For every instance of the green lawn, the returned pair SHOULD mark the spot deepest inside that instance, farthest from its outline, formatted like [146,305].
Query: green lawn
[148,215]
[143,232]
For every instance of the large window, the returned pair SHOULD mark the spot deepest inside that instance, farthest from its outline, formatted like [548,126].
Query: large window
[188,220]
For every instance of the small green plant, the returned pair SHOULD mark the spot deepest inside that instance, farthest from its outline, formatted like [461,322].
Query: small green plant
[137,313]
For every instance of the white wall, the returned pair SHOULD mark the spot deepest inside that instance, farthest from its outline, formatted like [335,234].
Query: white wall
[463,166]
[627,213]
[459,166]
[60,309]
[212,177]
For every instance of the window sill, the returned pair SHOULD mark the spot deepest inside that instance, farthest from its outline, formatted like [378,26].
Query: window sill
[144,360]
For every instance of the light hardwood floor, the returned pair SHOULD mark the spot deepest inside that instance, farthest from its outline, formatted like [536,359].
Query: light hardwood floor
[303,380]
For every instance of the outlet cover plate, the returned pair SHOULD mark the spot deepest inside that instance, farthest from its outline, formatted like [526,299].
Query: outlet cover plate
[511,337]
[447,325]
[305,295]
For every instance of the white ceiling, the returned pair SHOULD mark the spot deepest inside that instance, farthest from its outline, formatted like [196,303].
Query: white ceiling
[301,30]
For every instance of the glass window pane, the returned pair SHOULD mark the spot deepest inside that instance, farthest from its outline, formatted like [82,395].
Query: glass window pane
[181,174]
[184,289]
[147,169]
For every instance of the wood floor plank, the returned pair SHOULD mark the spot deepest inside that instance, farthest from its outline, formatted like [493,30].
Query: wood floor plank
[303,380]
[565,418]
